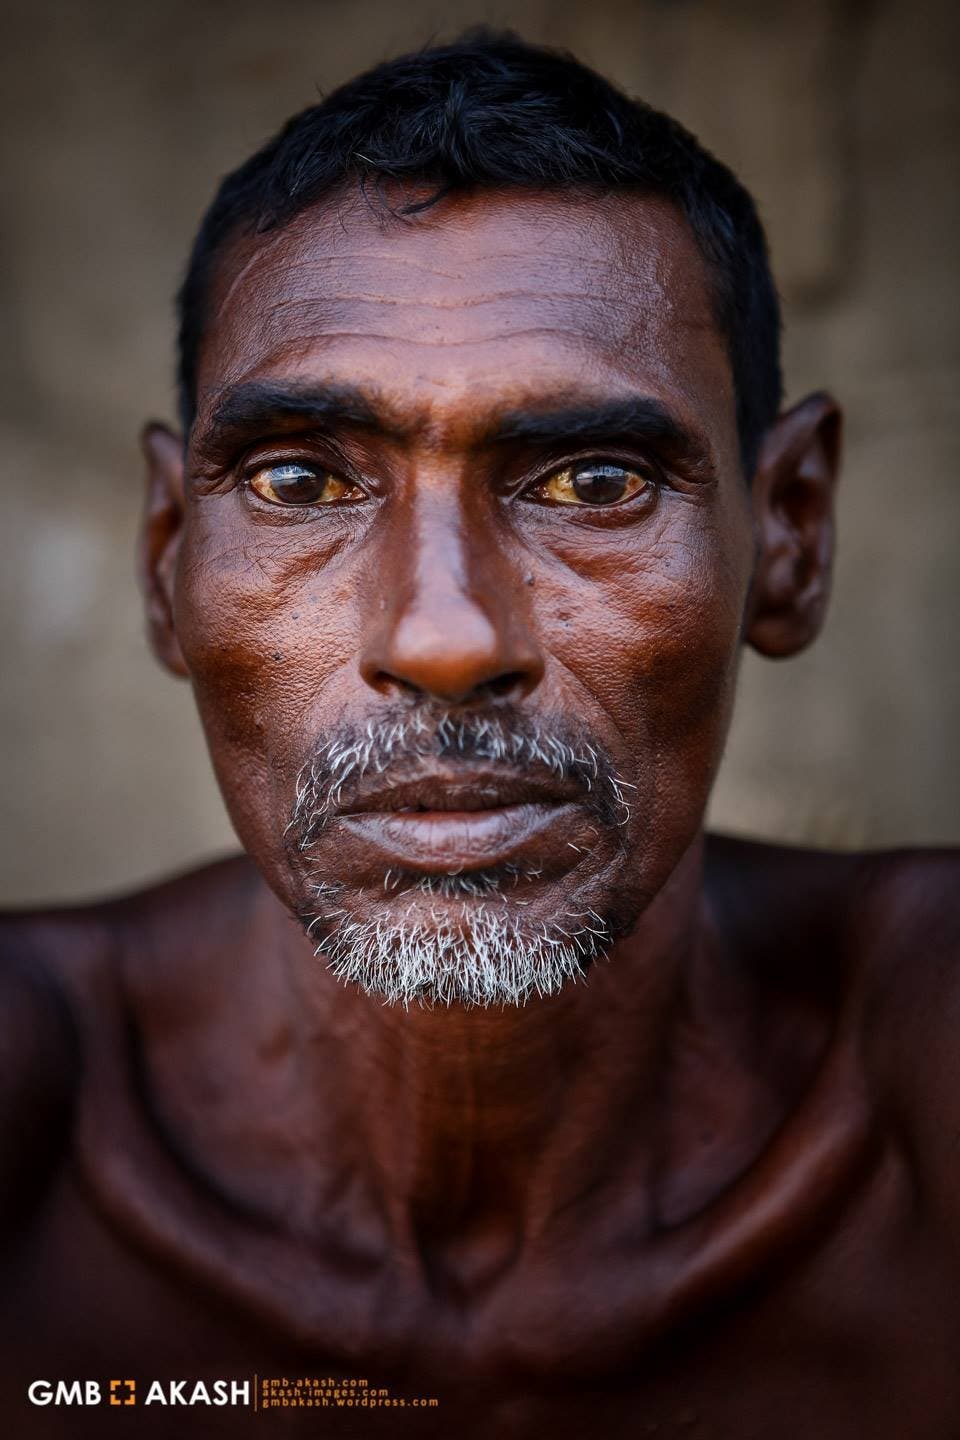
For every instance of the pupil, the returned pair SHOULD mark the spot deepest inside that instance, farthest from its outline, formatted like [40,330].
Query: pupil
[294,483]
[600,484]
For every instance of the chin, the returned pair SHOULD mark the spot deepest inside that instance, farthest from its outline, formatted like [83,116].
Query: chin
[475,939]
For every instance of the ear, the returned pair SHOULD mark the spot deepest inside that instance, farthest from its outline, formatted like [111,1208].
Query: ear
[160,532]
[792,496]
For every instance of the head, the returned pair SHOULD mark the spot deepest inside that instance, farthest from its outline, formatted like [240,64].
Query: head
[483,485]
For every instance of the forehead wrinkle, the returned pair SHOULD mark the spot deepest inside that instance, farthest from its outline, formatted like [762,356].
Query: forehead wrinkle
[549,218]
[314,359]
[460,303]
[624,332]
[537,274]
[402,260]
[627,261]
[579,324]
[264,248]
[613,316]
[453,222]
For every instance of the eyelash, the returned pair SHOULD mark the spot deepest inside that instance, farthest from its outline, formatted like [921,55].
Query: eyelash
[647,469]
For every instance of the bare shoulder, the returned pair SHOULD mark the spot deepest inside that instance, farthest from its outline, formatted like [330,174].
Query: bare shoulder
[65,978]
[884,924]
[878,933]
[905,927]
[891,912]
[39,1064]
[907,930]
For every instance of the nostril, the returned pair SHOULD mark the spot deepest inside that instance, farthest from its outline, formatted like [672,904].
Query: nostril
[511,684]
[502,686]
[387,683]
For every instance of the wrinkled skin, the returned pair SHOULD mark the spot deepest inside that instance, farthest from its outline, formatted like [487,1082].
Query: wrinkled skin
[709,1191]
[447,583]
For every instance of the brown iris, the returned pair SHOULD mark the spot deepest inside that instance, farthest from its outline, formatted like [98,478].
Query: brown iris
[593,484]
[297,484]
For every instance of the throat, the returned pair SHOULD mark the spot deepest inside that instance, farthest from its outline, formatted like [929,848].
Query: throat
[471,1132]
[476,1128]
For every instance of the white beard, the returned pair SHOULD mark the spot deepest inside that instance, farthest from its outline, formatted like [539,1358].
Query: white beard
[482,952]
[482,956]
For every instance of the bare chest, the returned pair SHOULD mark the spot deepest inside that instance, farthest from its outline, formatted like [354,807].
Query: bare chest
[850,1333]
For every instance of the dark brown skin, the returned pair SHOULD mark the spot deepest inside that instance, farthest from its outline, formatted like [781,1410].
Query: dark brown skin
[712,1191]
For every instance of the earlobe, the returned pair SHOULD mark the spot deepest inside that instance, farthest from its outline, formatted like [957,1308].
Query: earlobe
[793,492]
[159,541]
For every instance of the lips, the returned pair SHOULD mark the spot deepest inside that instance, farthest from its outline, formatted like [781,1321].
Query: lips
[440,825]
[440,842]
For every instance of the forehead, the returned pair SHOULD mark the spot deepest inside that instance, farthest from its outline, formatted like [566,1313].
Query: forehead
[474,304]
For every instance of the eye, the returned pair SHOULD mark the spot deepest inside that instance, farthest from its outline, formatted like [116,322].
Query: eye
[594,484]
[296,484]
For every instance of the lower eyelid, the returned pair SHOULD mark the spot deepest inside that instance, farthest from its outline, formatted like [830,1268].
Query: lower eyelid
[648,483]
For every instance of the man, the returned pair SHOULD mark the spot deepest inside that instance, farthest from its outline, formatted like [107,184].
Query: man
[484,1074]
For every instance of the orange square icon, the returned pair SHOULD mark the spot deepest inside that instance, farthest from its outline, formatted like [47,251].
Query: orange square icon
[123,1392]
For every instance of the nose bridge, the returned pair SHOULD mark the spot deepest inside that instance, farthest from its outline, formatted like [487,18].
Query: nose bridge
[443,562]
[452,623]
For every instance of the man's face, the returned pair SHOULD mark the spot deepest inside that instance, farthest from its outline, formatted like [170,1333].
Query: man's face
[465,565]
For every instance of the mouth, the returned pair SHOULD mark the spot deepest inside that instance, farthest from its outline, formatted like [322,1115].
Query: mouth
[444,825]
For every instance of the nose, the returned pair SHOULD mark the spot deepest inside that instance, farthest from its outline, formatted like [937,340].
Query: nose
[455,624]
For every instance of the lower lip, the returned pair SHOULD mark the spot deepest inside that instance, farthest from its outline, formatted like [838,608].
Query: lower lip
[441,841]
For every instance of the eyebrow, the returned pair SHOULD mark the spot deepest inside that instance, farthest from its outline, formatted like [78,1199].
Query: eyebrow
[249,410]
[254,406]
[635,418]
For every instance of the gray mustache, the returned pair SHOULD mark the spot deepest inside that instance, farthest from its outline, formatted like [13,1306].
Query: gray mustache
[341,763]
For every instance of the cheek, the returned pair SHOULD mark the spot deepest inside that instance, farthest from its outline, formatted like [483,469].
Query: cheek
[264,635]
[654,636]
[687,643]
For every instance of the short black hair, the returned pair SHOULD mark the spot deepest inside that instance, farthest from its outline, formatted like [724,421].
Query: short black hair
[491,111]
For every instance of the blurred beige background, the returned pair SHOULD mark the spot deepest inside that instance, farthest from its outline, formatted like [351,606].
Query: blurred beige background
[842,115]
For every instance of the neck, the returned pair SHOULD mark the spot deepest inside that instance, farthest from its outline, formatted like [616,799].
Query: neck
[467,1134]
[460,1117]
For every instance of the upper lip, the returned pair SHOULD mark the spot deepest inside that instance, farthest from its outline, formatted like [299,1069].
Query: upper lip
[466,789]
